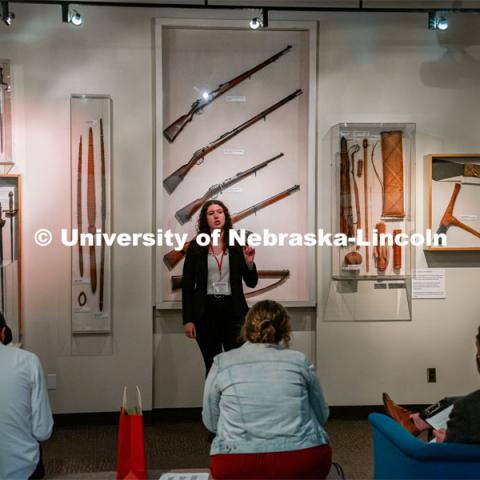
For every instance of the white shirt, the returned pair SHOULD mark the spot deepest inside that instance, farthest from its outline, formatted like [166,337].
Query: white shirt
[25,415]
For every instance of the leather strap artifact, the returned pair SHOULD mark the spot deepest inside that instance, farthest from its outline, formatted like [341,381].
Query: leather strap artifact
[355,148]
[79,206]
[92,209]
[381,251]
[397,252]
[448,220]
[104,214]
[392,153]
[346,217]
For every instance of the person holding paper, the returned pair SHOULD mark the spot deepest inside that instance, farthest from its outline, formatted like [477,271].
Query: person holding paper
[266,405]
[463,425]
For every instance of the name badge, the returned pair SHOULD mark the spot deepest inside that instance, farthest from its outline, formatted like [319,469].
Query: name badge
[220,288]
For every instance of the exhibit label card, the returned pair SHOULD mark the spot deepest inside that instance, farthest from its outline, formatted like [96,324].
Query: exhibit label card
[429,283]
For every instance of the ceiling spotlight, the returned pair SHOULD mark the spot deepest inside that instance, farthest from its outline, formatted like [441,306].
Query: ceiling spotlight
[437,21]
[7,16]
[255,23]
[261,21]
[69,15]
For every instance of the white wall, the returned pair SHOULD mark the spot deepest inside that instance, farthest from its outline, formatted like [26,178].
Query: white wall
[372,68]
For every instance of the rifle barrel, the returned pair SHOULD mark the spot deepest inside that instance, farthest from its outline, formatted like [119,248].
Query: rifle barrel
[186,213]
[175,128]
[171,182]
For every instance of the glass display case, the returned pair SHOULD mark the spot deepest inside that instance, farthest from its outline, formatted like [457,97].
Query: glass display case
[373,199]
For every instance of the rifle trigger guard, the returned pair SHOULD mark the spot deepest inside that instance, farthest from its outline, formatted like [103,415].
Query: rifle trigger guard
[200,161]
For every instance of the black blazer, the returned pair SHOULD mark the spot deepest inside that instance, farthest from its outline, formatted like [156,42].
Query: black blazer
[194,281]
[464,423]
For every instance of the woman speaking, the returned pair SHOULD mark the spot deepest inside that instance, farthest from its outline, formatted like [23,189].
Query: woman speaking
[213,302]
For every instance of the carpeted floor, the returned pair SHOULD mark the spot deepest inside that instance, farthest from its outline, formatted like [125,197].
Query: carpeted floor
[181,444]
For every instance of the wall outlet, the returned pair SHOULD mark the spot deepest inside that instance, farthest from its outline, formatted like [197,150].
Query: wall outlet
[52,381]
[431,375]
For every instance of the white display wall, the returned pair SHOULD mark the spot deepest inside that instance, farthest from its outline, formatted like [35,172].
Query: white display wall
[371,68]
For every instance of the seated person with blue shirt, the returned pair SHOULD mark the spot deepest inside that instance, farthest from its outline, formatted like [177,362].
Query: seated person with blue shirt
[266,406]
[25,415]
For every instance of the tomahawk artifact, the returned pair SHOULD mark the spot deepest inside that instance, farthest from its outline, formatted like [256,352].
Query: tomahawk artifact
[79,206]
[282,276]
[173,257]
[448,220]
[92,209]
[173,130]
[185,214]
[442,169]
[172,181]
[104,213]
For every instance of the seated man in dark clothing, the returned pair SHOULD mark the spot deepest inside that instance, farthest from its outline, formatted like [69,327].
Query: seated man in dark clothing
[463,424]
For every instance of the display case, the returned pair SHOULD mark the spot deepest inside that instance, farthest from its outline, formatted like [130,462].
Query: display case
[453,194]
[91,213]
[252,147]
[372,197]
[10,253]
[6,161]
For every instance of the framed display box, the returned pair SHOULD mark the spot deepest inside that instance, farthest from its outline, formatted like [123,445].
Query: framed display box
[265,121]
[372,194]
[6,162]
[453,194]
[10,253]
[91,212]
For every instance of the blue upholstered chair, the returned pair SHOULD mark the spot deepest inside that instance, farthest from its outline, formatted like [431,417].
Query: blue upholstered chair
[399,455]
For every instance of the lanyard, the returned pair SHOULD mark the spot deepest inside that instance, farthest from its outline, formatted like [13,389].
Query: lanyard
[219,263]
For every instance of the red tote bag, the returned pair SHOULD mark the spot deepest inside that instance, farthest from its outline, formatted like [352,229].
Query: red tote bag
[131,449]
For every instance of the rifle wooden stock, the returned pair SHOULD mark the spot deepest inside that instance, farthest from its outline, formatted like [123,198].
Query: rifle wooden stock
[174,129]
[171,182]
[173,257]
[185,214]
[176,280]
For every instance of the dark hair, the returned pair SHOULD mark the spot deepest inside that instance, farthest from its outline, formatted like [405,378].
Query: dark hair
[477,337]
[267,322]
[202,225]
[8,337]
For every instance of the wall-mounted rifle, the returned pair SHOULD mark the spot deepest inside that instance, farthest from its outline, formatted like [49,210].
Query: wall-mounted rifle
[104,213]
[448,220]
[173,257]
[172,181]
[365,201]
[92,209]
[174,129]
[185,214]
[282,276]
